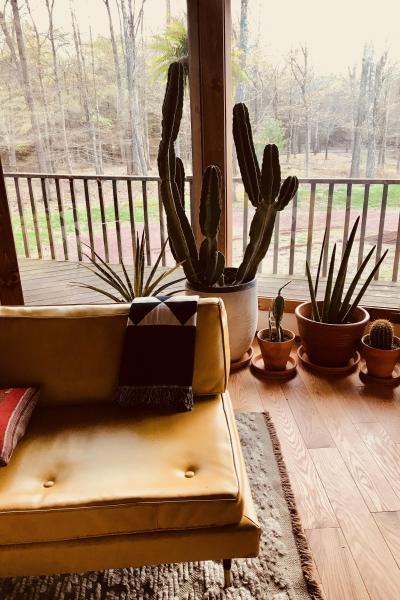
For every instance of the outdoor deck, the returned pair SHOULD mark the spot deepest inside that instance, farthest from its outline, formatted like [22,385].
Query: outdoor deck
[51,282]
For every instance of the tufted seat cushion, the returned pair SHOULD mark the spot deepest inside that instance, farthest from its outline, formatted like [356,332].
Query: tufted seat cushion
[84,471]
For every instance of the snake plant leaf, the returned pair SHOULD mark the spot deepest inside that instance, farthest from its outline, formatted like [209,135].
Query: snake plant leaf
[337,293]
[312,294]
[270,181]
[349,294]
[364,288]
[328,289]
[321,255]
[246,153]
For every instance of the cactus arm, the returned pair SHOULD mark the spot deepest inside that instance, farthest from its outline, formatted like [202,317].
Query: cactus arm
[210,202]
[180,179]
[179,230]
[270,182]
[246,153]
[287,192]
[260,235]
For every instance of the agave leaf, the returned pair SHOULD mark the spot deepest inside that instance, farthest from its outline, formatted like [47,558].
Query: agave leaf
[328,289]
[161,277]
[364,288]
[164,287]
[155,267]
[128,281]
[337,293]
[99,290]
[108,276]
[320,264]
[106,266]
[312,294]
[346,302]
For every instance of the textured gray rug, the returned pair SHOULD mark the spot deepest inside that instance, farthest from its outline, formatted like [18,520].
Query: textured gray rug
[281,572]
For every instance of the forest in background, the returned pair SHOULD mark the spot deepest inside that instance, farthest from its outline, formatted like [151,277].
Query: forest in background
[75,101]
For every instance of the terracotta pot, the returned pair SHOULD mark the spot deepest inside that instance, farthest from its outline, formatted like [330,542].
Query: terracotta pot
[241,304]
[380,363]
[327,344]
[275,354]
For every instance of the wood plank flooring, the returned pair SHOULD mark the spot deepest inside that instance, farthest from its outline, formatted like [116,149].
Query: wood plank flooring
[341,444]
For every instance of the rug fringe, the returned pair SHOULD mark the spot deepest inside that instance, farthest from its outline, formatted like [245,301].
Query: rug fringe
[303,548]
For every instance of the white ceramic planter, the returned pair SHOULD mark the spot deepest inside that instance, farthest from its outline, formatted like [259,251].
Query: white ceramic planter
[241,304]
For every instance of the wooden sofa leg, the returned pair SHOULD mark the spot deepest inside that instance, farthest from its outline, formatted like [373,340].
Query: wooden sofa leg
[227,571]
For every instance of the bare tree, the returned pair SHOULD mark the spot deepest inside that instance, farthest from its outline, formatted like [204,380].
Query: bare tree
[303,76]
[361,112]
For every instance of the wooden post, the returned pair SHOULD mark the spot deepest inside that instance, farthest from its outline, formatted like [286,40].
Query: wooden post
[10,282]
[209,27]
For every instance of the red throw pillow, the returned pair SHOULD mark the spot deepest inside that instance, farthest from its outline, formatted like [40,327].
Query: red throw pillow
[16,407]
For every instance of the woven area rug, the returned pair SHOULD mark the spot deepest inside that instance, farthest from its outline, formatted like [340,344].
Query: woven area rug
[281,572]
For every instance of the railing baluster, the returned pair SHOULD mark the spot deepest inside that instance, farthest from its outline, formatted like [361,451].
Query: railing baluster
[34,217]
[89,217]
[146,221]
[21,218]
[363,223]
[395,274]
[103,219]
[276,244]
[132,218]
[162,224]
[117,223]
[293,234]
[48,217]
[328,228]
[347,217]
[310,223]
[62,218]
[76,219]
[245,219]
[381,227]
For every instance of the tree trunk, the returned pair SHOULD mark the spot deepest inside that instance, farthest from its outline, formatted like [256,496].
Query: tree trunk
[60,99]
[27,87]
[243,47]
[376,79]
[360,114]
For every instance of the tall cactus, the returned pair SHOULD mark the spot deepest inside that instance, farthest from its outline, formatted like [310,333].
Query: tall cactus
[264,189]
[381,334]
[212,262]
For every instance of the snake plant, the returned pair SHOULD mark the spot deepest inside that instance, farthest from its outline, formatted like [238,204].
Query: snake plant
[337,306]
[264,187]
[124,288]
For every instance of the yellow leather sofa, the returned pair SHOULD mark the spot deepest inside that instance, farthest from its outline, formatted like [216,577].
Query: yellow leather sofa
[94,486]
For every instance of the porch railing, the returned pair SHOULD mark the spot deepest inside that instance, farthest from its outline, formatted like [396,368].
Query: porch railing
[59,216]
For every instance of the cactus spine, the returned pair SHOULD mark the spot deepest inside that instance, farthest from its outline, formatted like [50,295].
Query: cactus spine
[206,267]
[381,334]
[264,189]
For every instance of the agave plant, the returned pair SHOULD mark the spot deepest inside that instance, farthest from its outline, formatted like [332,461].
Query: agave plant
[338,307]
[124,288]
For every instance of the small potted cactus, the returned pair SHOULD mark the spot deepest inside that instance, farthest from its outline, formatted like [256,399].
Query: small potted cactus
[275,342]
[381,349]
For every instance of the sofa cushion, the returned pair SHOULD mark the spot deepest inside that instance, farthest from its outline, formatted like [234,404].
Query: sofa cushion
[73,352]
[99,470]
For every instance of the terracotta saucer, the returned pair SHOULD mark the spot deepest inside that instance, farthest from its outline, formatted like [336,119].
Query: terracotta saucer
[243,360]
[349,368]
[389,382]
[257,367]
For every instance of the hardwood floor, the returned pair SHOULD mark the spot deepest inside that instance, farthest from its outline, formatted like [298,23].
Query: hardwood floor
[341,443]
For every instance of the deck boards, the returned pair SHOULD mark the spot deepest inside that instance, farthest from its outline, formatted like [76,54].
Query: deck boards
[50,282]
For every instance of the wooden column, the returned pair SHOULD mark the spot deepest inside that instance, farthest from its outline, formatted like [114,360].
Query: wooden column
[209,27]
[10,282]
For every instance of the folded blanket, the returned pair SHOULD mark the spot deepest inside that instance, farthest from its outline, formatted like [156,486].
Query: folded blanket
[158,355]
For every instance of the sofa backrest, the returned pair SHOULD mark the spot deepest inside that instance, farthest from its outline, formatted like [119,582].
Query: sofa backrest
[73,352]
